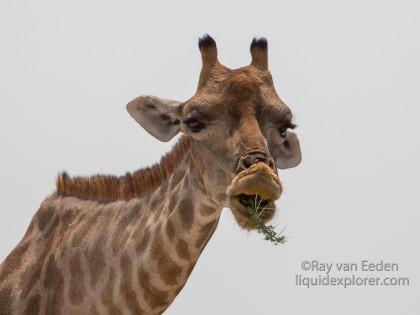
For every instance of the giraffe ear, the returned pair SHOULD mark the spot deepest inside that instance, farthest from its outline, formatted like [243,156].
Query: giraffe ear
[288,153]
[159,117]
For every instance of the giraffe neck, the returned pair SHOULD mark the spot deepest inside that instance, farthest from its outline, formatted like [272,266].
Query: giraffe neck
[122,257]
[184,217]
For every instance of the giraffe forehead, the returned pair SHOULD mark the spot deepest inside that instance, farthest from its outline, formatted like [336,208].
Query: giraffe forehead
[242,87]
[230,89]
[237,94]
[241,80]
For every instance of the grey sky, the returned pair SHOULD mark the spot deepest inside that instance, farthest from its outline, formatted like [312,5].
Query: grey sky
[350,72]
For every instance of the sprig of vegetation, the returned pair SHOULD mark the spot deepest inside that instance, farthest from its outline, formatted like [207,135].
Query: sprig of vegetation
[268,231]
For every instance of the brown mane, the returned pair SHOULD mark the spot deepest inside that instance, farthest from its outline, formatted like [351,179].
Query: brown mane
[126,187]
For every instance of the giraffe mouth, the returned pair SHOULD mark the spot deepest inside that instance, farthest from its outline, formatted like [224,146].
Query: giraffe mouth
[243,206]
[254,189]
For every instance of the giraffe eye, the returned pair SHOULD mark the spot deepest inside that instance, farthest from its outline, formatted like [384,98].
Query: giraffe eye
[283,129]
[194,125]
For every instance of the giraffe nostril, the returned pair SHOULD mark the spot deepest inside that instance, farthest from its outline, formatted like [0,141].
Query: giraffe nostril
[245,162]
[248,160]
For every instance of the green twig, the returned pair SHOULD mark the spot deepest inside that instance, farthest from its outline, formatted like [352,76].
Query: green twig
[267,230]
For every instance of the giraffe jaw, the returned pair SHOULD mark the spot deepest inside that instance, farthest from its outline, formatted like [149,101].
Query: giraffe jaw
[258,186]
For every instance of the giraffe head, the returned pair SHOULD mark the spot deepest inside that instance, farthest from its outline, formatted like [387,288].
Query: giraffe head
[240,130]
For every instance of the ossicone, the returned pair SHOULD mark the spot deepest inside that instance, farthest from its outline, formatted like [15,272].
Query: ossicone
[259,53]
[208,50]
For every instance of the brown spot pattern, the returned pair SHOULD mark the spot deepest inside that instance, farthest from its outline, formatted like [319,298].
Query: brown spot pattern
[50,228]
[138,228]
[133,214]
[11,263]
[119,240]
[182,250]
[169,271]
[156,249]
[96,255]
[44,216]
[186,213]
[32,274]
[32,308]
[6,301]
[30,277]
[153,296]
[77,290]
[155,201]
[172,202]
[96,265]
[121,234]
[126,287]
[170,230]
[54,285]
[107,296]
[206,210]
[142,244]
[176,178]
[206,232]
[86,227]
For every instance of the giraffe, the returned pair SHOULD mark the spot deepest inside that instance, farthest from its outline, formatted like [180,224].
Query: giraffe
[127,244]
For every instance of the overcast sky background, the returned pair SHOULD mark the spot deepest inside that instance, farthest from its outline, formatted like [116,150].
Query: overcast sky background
[349,70]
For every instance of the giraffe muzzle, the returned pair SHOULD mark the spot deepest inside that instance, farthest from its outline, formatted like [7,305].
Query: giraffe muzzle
[255,187]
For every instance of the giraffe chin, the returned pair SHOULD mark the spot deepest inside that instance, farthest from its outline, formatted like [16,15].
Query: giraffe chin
[257,186]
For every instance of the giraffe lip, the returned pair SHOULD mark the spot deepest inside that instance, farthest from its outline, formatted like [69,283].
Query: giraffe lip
[259,180]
